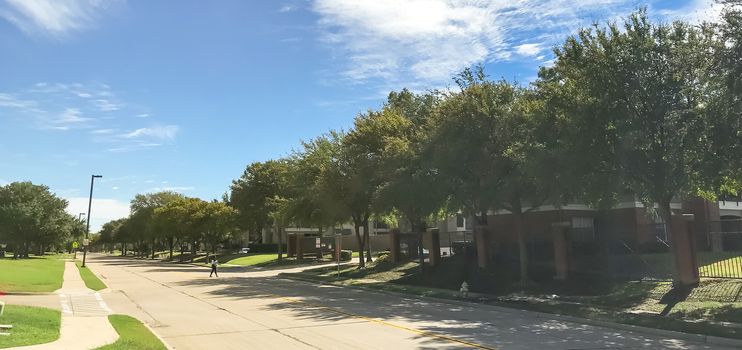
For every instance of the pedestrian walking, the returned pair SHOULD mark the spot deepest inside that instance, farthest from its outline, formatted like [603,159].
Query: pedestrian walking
[214,264]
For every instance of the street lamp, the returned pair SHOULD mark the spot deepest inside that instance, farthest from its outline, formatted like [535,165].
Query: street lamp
[87,226]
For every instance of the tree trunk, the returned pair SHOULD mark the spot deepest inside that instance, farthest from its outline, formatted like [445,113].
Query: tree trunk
[361,243]
[193,250]
[153,249]
[522,244]
[171,244]
[367,239]
[280,243]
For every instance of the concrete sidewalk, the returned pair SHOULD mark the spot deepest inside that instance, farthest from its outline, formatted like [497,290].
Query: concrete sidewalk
[84,316]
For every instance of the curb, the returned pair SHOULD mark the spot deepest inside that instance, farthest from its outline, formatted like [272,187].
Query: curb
[2,294]
[700,338]
[167,346]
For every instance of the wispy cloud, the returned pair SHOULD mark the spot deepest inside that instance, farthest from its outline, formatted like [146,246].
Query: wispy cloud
[103,131]
[172,188]
[57,18]
[133,146]
[60,106]
[287,8]
[142,115]
[423,42]
[105,105]
[166,132]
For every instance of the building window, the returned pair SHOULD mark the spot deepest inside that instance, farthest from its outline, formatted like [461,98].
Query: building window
[582,222]
[460,221]
[583,229]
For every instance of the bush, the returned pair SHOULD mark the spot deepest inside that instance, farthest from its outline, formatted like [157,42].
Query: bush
[346,255]
[265,247]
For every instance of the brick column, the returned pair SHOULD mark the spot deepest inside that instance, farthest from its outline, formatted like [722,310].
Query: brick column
[684,252]
[481,236]
[299,246]
[338,246]
[433,242]
[290,245]
[394,246]
[561,249]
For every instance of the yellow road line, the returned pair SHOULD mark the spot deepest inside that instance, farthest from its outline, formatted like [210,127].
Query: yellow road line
[389,324]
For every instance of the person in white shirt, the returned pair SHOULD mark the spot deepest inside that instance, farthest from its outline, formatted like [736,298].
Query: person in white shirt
[214,264]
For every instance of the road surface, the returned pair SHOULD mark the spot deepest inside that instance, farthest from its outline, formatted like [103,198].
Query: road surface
[250,309]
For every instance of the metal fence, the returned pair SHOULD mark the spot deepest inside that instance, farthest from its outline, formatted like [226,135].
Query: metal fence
[725,258]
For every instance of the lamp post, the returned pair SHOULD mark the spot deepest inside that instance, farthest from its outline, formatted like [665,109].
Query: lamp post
[87,226]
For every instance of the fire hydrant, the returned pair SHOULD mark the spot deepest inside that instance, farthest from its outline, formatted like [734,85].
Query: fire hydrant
[464,289]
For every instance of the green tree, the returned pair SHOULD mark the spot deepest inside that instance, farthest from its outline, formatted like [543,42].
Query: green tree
[309,205]
[142,217]
[641,89]
[219,220]
[351,178]
[31,214]
[258,194]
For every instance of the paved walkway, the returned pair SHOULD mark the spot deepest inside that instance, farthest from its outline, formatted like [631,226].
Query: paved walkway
[84,316]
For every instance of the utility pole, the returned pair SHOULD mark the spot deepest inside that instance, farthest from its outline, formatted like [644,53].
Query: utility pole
[86,242]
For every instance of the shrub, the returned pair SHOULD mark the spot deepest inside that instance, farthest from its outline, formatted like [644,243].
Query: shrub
[346,255]
[265,247]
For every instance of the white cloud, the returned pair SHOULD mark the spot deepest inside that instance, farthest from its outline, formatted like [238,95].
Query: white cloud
[287,8]
[166,132]
[528,49]
[142,115]
[102,211]
[171,188]
[53,17]
[10,101]
[696,11]
[4,182]
[106,105]
[424,42]
[136,146]
[103,131]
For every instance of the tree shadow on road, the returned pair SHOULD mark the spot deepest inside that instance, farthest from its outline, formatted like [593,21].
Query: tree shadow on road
[435,323]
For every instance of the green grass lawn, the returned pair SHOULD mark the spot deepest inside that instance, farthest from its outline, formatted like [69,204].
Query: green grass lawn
[91,280]
[31,325]
[253,259]
[31,275]
[132,335]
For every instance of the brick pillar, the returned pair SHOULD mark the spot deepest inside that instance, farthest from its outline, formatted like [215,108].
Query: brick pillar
[433,242]
[561,249]
[394,253]
[299,246]
[481,236]
[717,242]
[684,252]
[338,246]
[290,245]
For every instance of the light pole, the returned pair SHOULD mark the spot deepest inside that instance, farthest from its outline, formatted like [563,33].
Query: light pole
[87,226]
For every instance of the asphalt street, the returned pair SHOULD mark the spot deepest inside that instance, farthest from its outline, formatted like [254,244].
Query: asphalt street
[254,309]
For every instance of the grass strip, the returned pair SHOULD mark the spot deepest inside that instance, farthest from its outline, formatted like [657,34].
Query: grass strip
[132,335]
[91,280]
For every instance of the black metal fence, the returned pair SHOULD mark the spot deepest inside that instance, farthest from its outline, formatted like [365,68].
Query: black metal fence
[725,258]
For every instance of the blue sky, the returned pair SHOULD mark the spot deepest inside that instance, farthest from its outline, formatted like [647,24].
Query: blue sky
[182,95]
